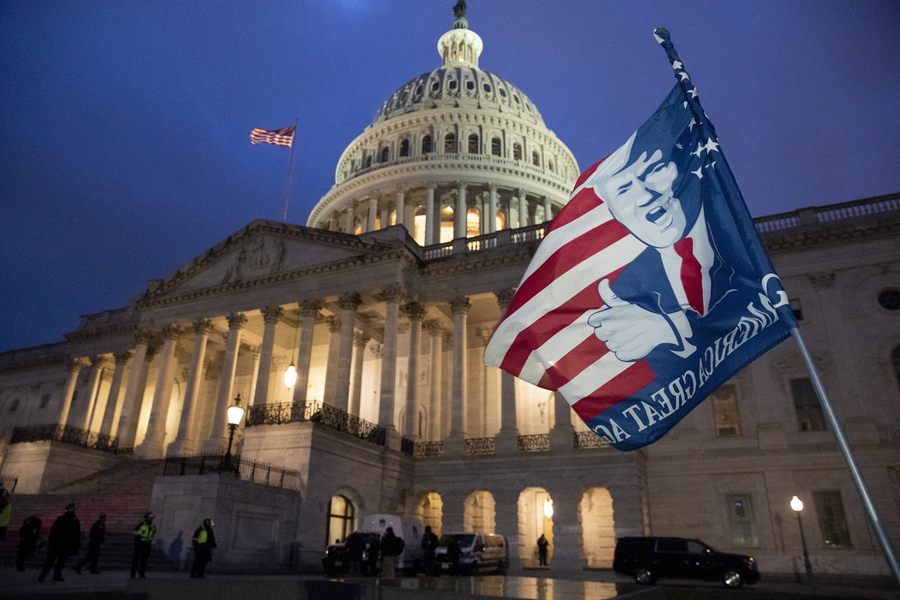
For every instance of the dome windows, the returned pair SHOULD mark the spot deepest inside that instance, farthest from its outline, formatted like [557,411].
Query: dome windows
[385,154]
[427,146]
[473,144]
[451,84]
[536,158]
[450,143]
[487,88]
[435,85]
[517,151]
[496,147]
[404,147]
[470,85]
[502,92]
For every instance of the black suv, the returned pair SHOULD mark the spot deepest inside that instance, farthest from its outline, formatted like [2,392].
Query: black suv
[646,558]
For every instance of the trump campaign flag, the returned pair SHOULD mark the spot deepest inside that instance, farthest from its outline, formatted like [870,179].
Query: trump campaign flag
[651,288]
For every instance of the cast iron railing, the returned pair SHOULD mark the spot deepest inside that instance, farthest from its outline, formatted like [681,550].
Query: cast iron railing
[480,445]
[428,449]
[589,439]
[315,412]
[240,468]
[534,443]
[65,434]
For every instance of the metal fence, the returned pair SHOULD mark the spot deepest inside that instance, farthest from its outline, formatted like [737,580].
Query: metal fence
[65,434]
[240,468]
[315,412]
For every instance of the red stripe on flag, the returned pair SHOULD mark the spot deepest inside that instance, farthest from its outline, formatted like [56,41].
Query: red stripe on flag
[577,360]
[572,254]
[579,204]
[622,386]
[551,323]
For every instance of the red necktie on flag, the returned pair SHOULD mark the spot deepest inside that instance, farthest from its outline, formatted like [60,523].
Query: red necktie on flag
[691,275]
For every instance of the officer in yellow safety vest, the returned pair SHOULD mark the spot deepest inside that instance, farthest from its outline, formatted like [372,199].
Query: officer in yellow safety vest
[204,542]
[144,534]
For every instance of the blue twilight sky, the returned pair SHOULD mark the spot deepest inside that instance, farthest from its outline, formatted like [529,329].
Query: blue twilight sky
[124,126]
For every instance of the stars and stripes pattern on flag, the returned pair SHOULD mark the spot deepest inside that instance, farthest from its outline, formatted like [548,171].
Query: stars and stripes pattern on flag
[650,288]
[281,137]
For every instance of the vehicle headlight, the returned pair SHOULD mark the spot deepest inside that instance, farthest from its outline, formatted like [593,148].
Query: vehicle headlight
[750,562]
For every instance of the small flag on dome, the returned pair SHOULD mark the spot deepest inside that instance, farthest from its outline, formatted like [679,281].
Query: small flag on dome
[281,137]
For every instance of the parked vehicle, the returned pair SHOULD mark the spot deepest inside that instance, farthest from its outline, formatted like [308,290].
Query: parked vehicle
[410,529]
[335,561]
[647,558]
[472,553]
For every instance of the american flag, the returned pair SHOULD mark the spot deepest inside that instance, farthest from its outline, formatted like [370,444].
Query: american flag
[281,137]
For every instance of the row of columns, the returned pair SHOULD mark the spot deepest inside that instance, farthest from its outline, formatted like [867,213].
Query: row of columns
[374,208]
[343,374]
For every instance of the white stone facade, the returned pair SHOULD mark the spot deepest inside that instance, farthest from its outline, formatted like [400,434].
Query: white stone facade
[384,307]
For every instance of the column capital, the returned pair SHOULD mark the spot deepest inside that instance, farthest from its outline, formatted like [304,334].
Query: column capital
[378,350]
[414,311]
[504,297]
[431,186]
[460,305]
[349,301]
[98,361]
[492,187]
[401,189]
[143,336]
[310,308]
[334,324]
[152,351]
[123,357]
[360,339]
[433,327]
[75,364]
[203,326]
[171,332]
[392,293]
[236,321]
[272,314]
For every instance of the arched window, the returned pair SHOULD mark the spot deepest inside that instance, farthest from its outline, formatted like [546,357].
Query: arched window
[536,158]
[384,154]
[446,224]
[426,145]
[500,221]
[551,165]
[473,222]
[340,519]
[419,223]
[495,147]
[517,151]
[473,144]
[367,160]
[404,148]
[450,143]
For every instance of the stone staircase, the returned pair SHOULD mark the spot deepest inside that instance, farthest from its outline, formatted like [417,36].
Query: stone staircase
[122,492]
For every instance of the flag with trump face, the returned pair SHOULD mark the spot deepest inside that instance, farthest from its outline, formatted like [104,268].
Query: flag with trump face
[650,289]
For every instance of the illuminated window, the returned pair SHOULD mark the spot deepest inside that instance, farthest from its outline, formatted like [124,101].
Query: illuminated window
[393,219]
[496,149]
[473,144]
[404,148]
[450,143]
[426,144]
[832,522]
[473,222]
[743,525]
[517,151]
[500,222]
[535,159]
[419,224]
[358,229]
[725,412]
[340,519]
[446,224]
[806,404]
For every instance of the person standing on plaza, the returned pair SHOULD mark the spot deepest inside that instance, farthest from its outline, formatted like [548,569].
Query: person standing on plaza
[29,535]
[429,547]
[96,537]
[63,542]
[542,545]
[204,543]
[144,534]
[391,548]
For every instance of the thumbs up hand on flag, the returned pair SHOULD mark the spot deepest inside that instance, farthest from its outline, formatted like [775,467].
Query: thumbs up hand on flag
[629,331]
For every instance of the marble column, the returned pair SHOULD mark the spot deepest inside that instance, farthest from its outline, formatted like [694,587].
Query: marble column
[360,340]
[454,445]
[568,540]
[492,210]
[506,521]
[113,401]
[309,310]
[400,208]
[507,441]
[334,353]
[348,303]
[185,442]
[218,438]
[255,358]
[460,213]
[135,388]
[75,366]
[372,214]
[436,332]
[523,208]
[415,312]
[97,364]
[351,217]
[152,446]
[548,209]
[431,215]
[391,296]
[271,316]
[562,436]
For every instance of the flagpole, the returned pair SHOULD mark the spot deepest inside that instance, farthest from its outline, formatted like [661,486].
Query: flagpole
[690,96]
[855,473]
[287,192]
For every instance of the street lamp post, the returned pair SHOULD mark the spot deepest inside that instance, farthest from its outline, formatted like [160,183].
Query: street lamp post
[797,507]
[235,414]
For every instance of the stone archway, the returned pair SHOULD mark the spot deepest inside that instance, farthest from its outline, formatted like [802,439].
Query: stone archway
[430,509]
[479,512]
[598,528]
[535,519]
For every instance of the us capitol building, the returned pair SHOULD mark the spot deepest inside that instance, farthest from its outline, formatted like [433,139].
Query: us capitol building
[382,305]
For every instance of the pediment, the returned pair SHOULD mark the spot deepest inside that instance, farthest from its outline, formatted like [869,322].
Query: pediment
[260,251]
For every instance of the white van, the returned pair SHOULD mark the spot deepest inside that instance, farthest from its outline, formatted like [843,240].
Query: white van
[478,552]
[410,529]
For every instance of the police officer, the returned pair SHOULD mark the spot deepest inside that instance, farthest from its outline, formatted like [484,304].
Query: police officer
[204,542]
[144,534]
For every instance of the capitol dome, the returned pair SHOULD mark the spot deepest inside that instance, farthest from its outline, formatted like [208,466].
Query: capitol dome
[457,152]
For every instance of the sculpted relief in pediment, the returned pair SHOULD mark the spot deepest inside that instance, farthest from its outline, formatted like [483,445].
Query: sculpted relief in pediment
[263,256]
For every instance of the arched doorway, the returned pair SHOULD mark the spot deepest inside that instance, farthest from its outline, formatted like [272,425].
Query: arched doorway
[479,512]
[598,526]
[431,510]
[535,519]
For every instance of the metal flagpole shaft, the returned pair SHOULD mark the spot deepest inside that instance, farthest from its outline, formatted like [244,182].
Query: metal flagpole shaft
[848,455]
[287,191]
